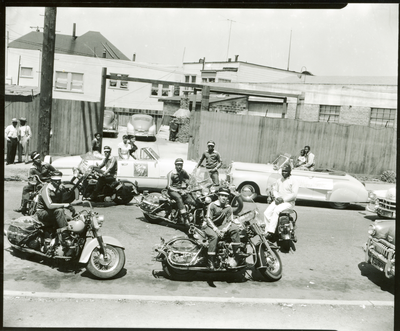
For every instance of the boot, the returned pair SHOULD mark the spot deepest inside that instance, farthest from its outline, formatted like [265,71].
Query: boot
[239,254]
[22,208]
[64,237]
[210,262]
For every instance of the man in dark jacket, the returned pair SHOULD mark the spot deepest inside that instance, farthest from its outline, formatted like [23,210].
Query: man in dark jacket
[213,162]
[173,129]
[40,169]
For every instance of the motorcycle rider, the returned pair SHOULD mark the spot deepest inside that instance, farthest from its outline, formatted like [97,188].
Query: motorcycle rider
[111,165]
[285,193]
[219,220]
[40,169]
[213,162]
[177,182]
[50,206]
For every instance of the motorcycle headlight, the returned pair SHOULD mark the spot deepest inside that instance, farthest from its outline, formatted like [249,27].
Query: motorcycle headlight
[208,200]
[371,230]
[204,191]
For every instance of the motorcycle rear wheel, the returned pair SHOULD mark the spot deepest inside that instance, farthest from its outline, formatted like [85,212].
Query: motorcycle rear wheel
[152,218]
[273,272]
[176,274]
[123,196]
[99,269]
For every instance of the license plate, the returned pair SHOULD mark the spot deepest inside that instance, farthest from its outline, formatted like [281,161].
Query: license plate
[118,187]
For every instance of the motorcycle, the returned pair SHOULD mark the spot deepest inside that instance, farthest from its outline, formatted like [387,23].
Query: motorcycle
[157,207]
[85,179]
[103,256]
[284,234]
[182,257]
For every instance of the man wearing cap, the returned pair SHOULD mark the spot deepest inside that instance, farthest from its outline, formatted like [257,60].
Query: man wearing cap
[11,134]
[24,134]
[50,206]
[177,182]
[219,221]
[41,169]
[285,193]
[213,162]
[111,167]
[173,129]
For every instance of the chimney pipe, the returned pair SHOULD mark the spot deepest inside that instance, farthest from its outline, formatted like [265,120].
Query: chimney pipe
[104,53]
[74,31]
[134,57]
[236,58]
[229,60]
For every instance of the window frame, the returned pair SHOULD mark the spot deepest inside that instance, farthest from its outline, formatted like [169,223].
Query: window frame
[163,90]
[21,75]
[329,113]
[381,121]
[119,83]
[69,82]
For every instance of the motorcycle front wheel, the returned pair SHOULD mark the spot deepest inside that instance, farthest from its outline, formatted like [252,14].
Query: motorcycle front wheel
[123,196]
[273,271]
[176,274]
[99,267]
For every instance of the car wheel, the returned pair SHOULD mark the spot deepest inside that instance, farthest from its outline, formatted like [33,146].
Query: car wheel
[249,191]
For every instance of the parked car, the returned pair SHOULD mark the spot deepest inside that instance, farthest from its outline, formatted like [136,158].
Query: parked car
[141,126]
[110,122]
[380,247]
[150,171]
[336,187]
[383,202]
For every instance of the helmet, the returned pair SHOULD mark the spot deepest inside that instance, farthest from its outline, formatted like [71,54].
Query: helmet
[287,167]
[210,143]
[56,175]
[35,155]
[178,161]
[107,149]
[223,191]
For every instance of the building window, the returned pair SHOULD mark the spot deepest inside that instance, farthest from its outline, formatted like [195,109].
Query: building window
[382,117]
[68,81]
[329,113]
[208,80]
[119,84]
[190,79]
[161,90]
[222,80]
[26,72]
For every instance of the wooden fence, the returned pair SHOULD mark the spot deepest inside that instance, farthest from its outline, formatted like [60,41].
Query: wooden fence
[355,149]
[73,123]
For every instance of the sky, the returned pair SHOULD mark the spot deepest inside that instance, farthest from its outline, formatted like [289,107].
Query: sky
[358,40]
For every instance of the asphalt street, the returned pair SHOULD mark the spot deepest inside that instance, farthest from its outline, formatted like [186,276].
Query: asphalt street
[325,285]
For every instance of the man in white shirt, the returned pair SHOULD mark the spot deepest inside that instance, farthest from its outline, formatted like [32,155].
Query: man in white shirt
[310,159]
[11,135]
[285,193]
[24,134]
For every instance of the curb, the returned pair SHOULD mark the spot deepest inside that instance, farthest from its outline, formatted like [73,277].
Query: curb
[197,299]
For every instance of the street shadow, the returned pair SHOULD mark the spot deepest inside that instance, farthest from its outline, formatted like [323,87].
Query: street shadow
[180,227]
[377,277]
[121,274]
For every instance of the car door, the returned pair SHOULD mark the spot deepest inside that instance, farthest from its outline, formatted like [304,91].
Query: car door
[312,185]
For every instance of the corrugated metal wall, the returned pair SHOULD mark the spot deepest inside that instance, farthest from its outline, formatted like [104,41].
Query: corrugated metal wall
[355,149]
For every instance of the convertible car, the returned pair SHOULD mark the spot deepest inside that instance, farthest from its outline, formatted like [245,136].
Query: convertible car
[110,123]
[150,171]
[142,126]
[336,187]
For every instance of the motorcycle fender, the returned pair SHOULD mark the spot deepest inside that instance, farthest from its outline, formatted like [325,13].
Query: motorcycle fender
[261,257]
[90,245]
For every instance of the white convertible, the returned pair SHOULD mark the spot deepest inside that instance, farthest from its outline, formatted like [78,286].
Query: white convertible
[337,187]
[150,171]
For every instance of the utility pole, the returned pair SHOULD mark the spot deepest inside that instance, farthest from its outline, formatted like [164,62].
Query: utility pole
[290,45]
[229,39]
[46,85]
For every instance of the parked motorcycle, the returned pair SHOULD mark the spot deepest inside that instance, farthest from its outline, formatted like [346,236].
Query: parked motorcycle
[103,256]
[85,179]
[157,207]
[181,257]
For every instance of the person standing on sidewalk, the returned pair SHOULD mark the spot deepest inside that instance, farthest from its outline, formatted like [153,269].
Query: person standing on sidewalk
[11,134]
[173,129]
[24,134]
[213,162]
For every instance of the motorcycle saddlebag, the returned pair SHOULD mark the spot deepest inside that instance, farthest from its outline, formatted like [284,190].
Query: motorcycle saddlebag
[22,229]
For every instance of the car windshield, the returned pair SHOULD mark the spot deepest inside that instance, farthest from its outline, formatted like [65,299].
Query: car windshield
[281,160]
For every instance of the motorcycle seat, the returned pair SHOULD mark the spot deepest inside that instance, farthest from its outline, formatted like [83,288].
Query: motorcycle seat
[286,212]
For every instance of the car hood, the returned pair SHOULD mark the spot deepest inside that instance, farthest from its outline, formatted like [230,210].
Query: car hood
[389,194]
[255,167]
[108,119]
